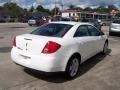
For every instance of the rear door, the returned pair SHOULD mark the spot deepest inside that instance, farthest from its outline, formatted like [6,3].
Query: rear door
[98,38]
[86,44]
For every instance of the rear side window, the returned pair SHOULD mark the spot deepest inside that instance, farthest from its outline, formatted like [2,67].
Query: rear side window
[52,30]
[93,31]
[82,31]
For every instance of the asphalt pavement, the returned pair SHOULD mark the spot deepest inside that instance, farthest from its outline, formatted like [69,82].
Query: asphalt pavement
[101,72]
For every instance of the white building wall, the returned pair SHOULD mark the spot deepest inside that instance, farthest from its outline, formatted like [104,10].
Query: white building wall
[83,15]
[72,14]
[65,14]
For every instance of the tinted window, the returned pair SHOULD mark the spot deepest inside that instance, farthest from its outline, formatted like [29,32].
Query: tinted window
[116,21]
[82,31]
[93,31]
[53,30]
[35,18]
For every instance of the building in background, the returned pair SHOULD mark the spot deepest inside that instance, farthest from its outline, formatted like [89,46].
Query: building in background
[86,15]
[6,16]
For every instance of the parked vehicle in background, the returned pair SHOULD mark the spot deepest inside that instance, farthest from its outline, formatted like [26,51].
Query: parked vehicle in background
[115,27]
[67,19]
[26,18]
[58,47]
[3,19]
[105,22]
[40,20]
[11,19]
[7,19]
[56,18]
[94,22]
[59,18]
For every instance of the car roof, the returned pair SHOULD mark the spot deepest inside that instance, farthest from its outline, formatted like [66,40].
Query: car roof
[71,23]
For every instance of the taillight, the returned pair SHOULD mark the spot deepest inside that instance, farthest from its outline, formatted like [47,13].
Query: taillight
[14,41]
[51,47]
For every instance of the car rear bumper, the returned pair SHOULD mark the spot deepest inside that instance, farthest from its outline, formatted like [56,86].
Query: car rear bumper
[32,22]
[43,63]
[114,30]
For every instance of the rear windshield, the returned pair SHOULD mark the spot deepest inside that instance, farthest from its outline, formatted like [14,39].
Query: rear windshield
[52,30]
[116,21]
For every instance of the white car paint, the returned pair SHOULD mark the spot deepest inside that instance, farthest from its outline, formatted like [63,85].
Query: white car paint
[32,22]
[115,27]
[29,47]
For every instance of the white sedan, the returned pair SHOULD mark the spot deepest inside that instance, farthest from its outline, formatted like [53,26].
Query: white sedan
[58,46]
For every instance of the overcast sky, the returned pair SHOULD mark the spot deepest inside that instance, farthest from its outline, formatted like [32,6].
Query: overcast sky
[50,3]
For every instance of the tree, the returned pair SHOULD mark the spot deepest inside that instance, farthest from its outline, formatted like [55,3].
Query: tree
[25,12]
[1,8]
[40,8]
[47,11]
[106,9]
[88,9]
[112,7]
[55,11]
[118,15]
[72,7]
[79,8]
[14,8]
[32,9]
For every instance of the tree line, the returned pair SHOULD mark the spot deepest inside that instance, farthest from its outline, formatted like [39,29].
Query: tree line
[17,11]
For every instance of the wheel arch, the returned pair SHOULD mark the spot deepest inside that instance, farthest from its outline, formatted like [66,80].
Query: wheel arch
[76,54]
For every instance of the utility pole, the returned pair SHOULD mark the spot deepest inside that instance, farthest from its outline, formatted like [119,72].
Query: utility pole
[55,8]
[62,6]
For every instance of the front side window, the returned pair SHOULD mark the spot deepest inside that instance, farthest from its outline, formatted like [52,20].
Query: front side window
[52,30]
[82,31]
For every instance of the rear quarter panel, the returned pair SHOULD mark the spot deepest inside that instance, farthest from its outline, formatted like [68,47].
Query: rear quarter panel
[69,47]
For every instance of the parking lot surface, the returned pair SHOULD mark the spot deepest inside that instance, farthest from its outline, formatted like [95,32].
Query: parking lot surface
[102,72]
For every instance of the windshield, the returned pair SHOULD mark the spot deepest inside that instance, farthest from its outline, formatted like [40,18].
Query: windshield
[35,18]
[52,30]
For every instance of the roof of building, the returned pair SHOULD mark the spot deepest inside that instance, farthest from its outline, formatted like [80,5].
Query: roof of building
[93,13]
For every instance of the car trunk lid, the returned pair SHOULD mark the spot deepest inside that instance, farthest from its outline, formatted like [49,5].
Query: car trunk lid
[33,43]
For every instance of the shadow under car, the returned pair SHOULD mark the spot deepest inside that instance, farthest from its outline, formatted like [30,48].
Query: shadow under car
[59,77]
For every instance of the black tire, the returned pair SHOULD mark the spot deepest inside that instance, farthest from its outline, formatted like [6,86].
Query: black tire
[37,24]
[70,66]
[105,48]
[30,25]
[111,34]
